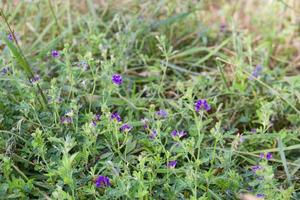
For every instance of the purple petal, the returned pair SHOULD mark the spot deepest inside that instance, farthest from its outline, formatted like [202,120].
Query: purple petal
[93,123]
[97,117]
[10,37]
[256,72]
[162,113]
[153,134]
[145,123]
[55,53]
[35,79]
[260,196]
[256,167]
[202,104]
[117,79]
[125,128]
[269,156]
[4,71]
[180,134]
[115,116]
[261,155]
[174,133]
[102,181]
[172,164]
[66,120]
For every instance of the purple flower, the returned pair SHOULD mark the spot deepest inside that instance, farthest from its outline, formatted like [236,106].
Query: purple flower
[102,181]
[94,123]
[117,79]
[223,27]
[97,117]
[55,54]
[255,168]
[269,156]
[172,164]
[260,196]
[4,71]
[179,134]
[115,116]
[162,113]
[261,155]
[256,72]
[145,123]
[10,37]
[174,133]
[153,134]
[202,104]
[35,79]
[66,120]
[125,128]
[182,134]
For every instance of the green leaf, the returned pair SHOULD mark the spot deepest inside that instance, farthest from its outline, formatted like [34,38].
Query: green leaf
[18,55]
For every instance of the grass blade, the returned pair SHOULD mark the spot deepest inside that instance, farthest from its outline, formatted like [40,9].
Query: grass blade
[283,159]
[23,63]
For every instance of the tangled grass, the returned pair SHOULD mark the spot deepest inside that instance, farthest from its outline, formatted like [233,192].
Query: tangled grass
[153,99]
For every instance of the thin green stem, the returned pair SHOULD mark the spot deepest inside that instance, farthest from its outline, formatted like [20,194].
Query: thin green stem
[54,15]
[24,60]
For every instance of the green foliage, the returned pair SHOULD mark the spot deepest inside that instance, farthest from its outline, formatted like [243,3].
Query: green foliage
[170,53]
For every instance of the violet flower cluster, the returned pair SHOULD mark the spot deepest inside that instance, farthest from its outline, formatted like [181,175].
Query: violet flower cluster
[125,128]
[10,37]
[162,113]
[256,168]
[55,54]
[66,120]
[153,134]
[260,195]
[145,122]
[117,79]
[96,119]
[115,116]
[202,104]
[180,134]
[256,72]
[5,71]
[34,79]
[267,156]
[172,164]
[102,181]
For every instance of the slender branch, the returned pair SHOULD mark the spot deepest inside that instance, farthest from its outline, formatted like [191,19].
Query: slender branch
[53,14]
[31,74]
[14,37]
